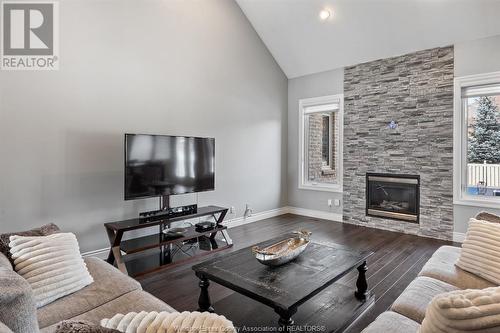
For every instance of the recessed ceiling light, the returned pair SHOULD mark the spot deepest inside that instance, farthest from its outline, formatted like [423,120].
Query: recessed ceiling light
[324,14]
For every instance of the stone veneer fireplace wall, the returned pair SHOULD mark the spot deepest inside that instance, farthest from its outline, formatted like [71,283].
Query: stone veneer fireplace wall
[416,92]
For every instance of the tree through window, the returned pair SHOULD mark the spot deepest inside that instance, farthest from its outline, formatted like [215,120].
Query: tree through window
[481,107]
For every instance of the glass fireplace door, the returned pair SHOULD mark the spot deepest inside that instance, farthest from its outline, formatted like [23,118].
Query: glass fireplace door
[393,196]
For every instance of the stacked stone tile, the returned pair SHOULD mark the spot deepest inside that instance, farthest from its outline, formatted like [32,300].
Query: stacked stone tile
[416,91]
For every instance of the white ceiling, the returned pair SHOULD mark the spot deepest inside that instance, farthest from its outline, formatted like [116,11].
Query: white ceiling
[364,30]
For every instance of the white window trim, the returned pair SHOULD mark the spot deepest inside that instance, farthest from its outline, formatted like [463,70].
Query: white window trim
[460,142]
[317,104]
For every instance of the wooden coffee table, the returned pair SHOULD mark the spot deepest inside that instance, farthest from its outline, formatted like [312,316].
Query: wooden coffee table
[288,287]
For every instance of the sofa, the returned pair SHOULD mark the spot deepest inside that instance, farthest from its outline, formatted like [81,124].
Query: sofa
[439,275]
[111,292]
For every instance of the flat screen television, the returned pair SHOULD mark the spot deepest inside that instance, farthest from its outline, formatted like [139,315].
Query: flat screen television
[159,165]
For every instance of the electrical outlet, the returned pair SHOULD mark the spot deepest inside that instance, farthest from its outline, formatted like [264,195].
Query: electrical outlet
[329,202]
[337,202]
[248,211]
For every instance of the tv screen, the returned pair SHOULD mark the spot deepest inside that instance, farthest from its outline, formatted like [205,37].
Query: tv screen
[157,165]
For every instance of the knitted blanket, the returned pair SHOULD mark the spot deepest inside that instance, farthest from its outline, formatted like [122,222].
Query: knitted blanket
[81,326]
[166,322]
[460,311]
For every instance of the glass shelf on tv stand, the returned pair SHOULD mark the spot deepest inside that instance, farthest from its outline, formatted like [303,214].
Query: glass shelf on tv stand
[149,252]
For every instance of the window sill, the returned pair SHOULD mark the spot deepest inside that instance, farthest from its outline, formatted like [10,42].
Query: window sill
[327,171]
[478,202]
[337,188]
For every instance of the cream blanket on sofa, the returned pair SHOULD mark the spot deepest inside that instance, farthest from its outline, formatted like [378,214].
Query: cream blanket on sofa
[463,311]
[167,322]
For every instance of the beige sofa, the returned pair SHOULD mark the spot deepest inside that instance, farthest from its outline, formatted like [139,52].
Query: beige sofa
[111,292]
[439,275]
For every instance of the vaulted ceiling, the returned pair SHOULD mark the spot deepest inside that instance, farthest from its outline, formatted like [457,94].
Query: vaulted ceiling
[364,30]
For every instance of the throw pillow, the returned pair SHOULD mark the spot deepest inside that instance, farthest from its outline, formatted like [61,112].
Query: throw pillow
[171,322]
[17,303]
[460,311]
[52,265]
[81,326]
[480,250]
[44,230]
[490,217]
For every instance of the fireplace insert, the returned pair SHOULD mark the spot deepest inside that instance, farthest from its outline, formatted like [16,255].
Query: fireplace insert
[393,196]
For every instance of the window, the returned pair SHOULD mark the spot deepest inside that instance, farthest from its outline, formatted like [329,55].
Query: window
[477,140]
[326,140]
[320,153]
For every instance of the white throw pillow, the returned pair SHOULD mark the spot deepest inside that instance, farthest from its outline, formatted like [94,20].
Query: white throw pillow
[480,253]
[461,311]
[51,264]
[154,322]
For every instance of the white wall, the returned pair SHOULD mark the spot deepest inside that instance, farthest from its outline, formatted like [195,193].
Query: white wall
[475,57]
[150,66]
[322,84]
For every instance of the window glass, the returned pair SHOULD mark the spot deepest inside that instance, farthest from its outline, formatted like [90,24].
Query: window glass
[320,146]
[482,131]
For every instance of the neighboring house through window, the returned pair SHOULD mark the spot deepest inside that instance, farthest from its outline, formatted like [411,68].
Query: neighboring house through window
[477,140]
[320,153]
[326,141]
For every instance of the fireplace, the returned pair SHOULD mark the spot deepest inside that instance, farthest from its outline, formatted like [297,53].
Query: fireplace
[393,196]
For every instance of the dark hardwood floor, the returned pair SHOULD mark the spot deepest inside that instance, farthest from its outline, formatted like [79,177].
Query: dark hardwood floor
[397,260]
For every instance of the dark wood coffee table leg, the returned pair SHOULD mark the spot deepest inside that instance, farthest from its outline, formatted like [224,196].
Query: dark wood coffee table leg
[285,320]
[204,303]
[362,292]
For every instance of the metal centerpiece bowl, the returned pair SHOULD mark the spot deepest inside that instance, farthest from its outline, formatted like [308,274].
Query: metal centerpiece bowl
[283,251]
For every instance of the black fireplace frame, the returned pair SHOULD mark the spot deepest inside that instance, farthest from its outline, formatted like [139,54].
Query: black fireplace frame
[392,175]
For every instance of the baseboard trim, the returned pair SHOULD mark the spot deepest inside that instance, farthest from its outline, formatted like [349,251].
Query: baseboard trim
[285,210]
[238,221]
[458,237]
[100,253]
[316,214]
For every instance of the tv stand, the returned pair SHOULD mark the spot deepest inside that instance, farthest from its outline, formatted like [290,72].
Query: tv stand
[142,255]
[164,204]
[168,213]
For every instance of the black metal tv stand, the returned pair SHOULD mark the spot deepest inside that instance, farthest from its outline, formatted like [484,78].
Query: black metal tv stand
[164,201]
[142,255]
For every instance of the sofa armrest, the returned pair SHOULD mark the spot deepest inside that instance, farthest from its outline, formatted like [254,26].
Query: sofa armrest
[392,322]
[4,329]
[441,266]
[17,302]
[4,262]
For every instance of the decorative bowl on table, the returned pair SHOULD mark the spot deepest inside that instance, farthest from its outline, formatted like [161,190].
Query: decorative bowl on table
[283,251]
